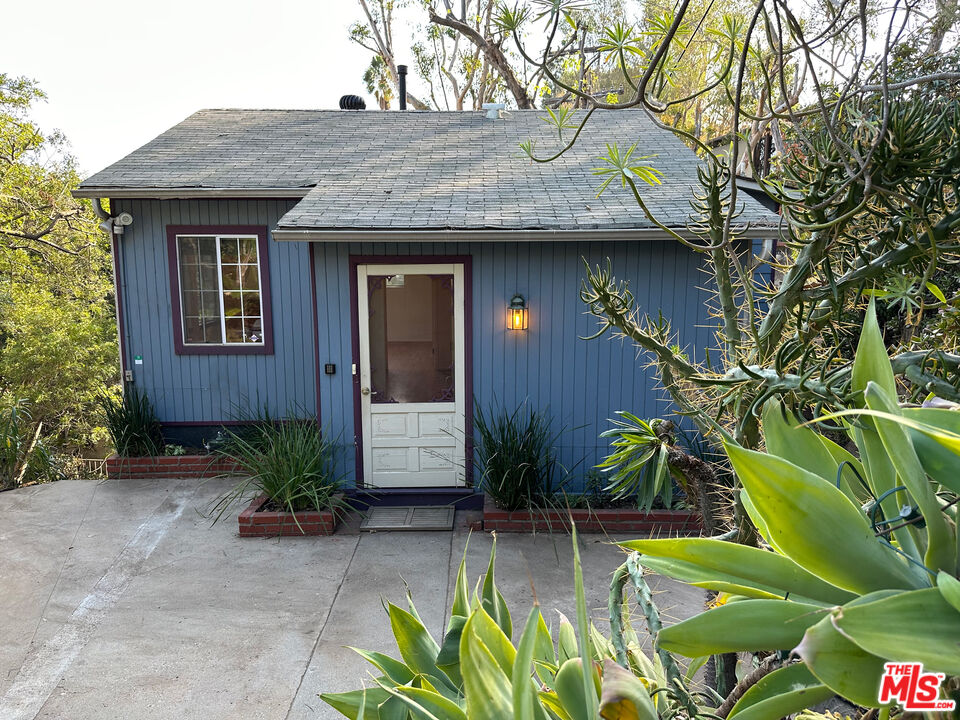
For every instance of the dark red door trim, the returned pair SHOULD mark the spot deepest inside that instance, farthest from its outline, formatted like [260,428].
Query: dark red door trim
[467,262]
[316,329]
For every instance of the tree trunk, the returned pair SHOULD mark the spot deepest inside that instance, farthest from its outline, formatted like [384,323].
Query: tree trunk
[492,53]
[948,12]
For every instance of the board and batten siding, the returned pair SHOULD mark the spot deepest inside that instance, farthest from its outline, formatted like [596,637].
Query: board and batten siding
[580,382]
[210,389]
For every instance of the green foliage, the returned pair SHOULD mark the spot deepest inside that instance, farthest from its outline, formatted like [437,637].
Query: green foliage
[291,461]
[24,456]
[516,456]
[626,168]
[57,335]
[132,424]
[595,494]
[479,672]
[377,81]
[845,580]
[640,462]
[58,350]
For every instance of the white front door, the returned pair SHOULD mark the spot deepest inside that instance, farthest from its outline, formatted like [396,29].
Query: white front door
[412,374]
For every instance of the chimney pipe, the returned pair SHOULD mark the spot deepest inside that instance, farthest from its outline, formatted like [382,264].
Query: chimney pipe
[402,73]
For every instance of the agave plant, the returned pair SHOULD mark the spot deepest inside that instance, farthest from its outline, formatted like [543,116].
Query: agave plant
[860,558]
[477,672]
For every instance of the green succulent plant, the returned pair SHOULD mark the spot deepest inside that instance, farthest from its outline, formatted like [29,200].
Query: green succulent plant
[481,672]
[860,559]
[858,567]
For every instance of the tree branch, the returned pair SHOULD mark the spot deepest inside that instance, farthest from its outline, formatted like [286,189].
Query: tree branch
[493,54]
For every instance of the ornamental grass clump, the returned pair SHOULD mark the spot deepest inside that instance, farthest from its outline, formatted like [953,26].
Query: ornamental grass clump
[516,456]
[292,462]
[132,424]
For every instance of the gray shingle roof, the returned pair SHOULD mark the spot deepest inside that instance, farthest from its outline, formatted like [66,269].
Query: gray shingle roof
[410,171]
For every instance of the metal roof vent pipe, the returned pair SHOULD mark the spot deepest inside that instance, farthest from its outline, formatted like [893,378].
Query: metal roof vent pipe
[352,102]
[402,82]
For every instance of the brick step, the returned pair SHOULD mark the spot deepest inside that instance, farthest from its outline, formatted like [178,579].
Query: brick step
[193,466]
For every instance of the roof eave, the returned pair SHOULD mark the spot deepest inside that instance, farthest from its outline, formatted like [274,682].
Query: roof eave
[494,235]
[188,193]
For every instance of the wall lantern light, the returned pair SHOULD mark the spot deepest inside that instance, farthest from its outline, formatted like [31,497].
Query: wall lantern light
[517,313]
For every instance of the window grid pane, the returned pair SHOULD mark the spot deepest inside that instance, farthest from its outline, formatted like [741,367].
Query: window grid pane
[239,260]
[199,289]
[220,289]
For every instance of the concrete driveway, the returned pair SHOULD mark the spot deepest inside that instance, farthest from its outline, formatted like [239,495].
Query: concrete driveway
[119,600]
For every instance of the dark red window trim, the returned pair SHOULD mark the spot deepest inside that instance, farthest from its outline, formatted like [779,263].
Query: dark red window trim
[181,348]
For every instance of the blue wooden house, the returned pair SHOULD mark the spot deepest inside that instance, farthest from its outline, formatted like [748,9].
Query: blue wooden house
[384,271]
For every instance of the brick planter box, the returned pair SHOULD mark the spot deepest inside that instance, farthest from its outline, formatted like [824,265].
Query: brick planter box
[168,466]
[615,520]
[256,523]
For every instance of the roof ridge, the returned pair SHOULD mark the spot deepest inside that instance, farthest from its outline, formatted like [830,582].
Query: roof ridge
[370,111]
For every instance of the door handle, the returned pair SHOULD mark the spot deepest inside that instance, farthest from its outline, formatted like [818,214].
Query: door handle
[367,391]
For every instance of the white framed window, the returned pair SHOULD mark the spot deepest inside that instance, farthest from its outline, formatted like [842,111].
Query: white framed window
[220,290]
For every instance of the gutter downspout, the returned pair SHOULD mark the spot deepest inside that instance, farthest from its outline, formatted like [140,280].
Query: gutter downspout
[107,226]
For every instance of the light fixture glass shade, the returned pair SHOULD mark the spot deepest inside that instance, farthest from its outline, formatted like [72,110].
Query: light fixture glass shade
[517,313]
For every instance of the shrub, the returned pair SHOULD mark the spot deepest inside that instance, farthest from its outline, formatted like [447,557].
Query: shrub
[292,462]
[24,456]
[132,424]
[516,456]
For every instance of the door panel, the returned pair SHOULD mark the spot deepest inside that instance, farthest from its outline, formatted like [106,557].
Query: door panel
[412,374]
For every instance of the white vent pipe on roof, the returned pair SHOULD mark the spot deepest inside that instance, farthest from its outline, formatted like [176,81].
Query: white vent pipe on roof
[494,110]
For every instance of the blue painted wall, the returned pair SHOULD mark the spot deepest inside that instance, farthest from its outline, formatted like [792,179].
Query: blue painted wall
[213,388]
[581,382]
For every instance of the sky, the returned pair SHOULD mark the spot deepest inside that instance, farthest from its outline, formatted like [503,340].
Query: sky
[118,73]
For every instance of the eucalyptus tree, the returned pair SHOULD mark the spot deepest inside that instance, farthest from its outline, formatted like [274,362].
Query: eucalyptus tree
[457,55]
[465,59]
[375,33]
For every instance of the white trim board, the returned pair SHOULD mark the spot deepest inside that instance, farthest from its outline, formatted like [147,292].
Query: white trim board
[387,235]
[188,193]
[419,444]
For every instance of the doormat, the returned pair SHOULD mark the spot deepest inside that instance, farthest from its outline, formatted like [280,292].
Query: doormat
[408,518]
